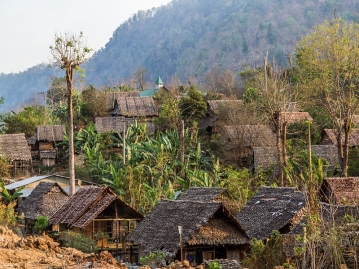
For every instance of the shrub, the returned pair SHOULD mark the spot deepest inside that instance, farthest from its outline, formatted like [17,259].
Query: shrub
[8,216]
[154,259]
[78,241]
[41,224]
[214,265]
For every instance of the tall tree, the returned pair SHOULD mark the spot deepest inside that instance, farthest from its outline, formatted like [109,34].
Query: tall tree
[69,52]
[329,60]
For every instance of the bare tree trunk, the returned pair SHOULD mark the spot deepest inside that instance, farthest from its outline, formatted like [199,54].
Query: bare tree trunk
[69,79]
[280,150]
[341,153]
[345,152]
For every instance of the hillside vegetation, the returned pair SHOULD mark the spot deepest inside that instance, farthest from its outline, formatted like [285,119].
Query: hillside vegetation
[188,38]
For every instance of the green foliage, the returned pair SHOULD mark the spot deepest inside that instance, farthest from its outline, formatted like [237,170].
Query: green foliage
[4,167]
[78,241]
[266,255]
[24,121]
[10,197]
[8,215]
[153,259]
[41,223]
[214,265]
[192,106]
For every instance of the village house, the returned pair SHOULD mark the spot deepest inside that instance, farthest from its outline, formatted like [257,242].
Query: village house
[220,112]
[14,148]
[93,210]
[111,97]
[44,200]
[208,230]
[273,208]
[239,141]
[43,143]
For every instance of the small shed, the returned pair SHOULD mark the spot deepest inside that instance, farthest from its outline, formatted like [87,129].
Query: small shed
[342,191]
[112,124]
[209,231]
[14,148]
[98,209]
[273,208]
[44,200]
[293,117]
[43,143]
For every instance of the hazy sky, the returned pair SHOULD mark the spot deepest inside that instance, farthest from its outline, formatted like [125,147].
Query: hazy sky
[27,27]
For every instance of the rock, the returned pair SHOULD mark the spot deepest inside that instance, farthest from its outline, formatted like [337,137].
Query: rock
[186,263]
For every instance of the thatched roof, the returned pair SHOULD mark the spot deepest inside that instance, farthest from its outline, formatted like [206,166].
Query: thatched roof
[329,137]
[202,194]
[87,204]
[159,231]
[326,152]
[135,107]
[268,156]
[44,200]
[52,133]
[292,117]
[112,124]
[250,135]
[216,107]
[111,97]
[14,147]
[341,190]
[271,209]
[265,157]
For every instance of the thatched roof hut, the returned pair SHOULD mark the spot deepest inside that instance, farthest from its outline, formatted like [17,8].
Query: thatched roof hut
[216,107]
[112,124]
[111,97]
[329,137]
[44,200]
[89,203]
[204,223]
[249,135]
[202,194]
[272,208]
[135,107]
[340,190]
[14,147]
[293,117]
[49,133]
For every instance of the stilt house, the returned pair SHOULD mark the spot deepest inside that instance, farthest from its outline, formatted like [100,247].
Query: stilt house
[208,230]
[93,210]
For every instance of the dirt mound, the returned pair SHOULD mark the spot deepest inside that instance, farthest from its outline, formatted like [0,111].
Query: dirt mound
[43,252]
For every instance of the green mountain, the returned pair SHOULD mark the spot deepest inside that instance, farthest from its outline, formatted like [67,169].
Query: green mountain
[190,37]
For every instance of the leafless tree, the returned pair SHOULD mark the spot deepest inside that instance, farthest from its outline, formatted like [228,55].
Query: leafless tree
[68,52]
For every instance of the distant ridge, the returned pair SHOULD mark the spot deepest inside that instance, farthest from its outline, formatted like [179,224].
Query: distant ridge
[188,38]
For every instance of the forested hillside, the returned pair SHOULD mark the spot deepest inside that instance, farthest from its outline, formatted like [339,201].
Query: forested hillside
[187,38]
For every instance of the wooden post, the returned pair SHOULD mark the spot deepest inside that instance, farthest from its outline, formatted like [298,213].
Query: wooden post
[124,142]
[180,233]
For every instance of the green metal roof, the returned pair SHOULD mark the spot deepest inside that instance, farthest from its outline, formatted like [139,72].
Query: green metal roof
[159,81]
[148,93]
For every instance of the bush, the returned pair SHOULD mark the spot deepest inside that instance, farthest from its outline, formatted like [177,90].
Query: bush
[8,216]
[41,224]
[154,259]
[78,241]
[214,265]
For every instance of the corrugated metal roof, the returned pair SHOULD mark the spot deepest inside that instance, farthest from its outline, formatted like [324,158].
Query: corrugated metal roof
[148,93]
[24,182]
